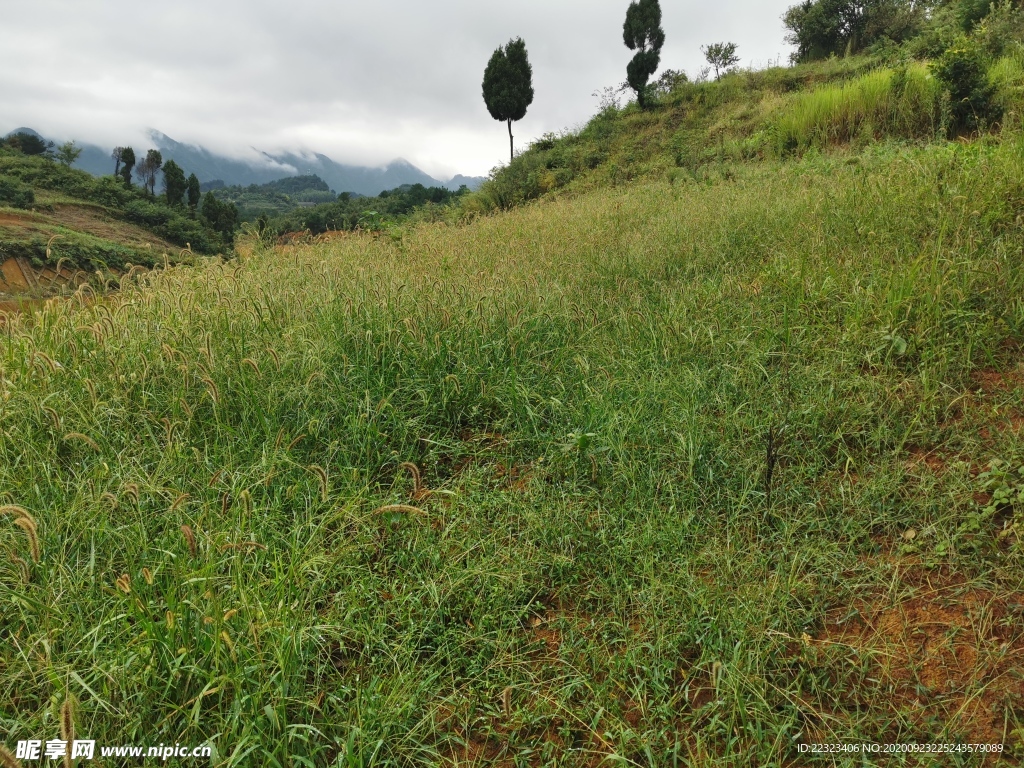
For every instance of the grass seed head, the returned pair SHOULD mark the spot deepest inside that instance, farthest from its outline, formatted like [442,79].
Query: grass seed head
[248,545]
[16,511]
[419,491]
[53,417]
[82,438]
[321,473]
[29,527]
[399,508]
[7,760]
[132,490]
[212,387]
[22,566]
[124,583]
[190,538]
[67,720]
[50,362]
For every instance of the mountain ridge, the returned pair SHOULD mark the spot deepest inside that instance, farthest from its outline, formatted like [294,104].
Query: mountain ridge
[265,167]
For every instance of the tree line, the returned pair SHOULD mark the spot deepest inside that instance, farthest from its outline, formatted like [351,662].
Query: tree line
[179,191]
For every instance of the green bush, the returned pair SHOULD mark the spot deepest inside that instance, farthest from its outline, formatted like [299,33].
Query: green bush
[963,72]
[14,193]
[185,231]
[1002,30]
[147,213]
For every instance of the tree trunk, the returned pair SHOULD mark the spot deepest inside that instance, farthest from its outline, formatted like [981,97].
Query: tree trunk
[511,151]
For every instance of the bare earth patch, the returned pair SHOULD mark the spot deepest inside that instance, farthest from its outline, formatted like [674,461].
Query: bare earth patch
[992,382]
[950,652]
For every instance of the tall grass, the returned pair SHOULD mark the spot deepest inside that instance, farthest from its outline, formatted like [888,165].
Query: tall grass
[900,103]
[1007,76]
[582,563]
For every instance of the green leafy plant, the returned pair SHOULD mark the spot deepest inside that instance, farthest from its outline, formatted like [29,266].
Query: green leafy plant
[1004,483]
[721,56]
[67,153]
[963,72]
[371,221]
[14,193]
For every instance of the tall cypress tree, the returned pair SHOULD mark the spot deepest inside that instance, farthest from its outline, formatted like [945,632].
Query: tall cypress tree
[194,191]
[642,33]
[127,164]
[508,85]
[175,185]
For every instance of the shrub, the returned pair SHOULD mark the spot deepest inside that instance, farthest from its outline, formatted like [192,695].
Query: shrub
[146,213]
[1001,29]
[963,73]
[15,193]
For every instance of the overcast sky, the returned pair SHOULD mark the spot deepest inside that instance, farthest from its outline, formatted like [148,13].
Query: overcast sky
[363,82]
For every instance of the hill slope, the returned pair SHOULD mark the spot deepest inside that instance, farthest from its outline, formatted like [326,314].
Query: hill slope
[701,473]
[708,449]
[50,214]
[701,130]
[76,236]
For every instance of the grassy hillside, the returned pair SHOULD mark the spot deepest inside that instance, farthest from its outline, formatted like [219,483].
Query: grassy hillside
[661,474]
[701,130]
[49,212]
[82,233]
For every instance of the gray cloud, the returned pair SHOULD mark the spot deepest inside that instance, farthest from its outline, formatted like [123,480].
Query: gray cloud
[361,82]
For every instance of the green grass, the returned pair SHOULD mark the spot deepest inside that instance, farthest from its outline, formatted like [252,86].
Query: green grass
[587,386]
[702,130]
[895,103]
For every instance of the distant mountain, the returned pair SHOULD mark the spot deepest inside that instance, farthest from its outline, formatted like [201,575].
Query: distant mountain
[262,167]
[473,182]
[257,169]
[354,178]
[95,160]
